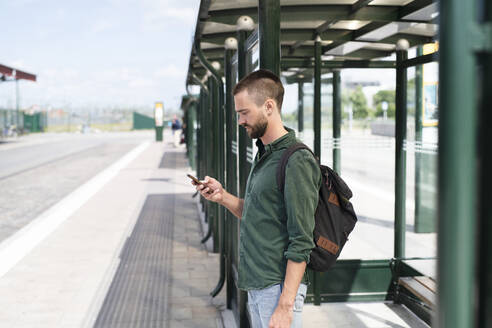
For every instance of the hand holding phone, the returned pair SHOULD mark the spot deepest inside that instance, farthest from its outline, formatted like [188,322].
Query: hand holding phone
[209,188]
[195,180]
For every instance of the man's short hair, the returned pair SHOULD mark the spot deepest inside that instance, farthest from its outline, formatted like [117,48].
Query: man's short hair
[261,85]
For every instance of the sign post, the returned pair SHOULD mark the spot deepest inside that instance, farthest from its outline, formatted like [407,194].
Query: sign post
[159,117]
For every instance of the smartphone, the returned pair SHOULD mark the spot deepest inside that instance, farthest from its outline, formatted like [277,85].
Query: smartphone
[194,179]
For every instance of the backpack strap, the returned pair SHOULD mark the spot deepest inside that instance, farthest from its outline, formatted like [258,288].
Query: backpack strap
[283,163]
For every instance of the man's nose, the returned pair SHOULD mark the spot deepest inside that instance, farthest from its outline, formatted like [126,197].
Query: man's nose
[241,120]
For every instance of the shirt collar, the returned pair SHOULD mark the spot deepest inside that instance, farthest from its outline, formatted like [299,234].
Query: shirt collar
[280,143]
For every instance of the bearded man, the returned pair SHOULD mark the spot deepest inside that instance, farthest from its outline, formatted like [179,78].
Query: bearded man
[276,234]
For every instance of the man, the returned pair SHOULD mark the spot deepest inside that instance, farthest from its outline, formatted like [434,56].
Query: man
[276,235]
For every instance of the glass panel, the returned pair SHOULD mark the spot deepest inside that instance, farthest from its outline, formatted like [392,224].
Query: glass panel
[421,191]
[235,137]
[367,159]
[255,57]
[235,223]
[307,136]
[327,120]
[253,63]
[290,106]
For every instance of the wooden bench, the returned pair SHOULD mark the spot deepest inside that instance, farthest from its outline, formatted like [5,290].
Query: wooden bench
[424,288]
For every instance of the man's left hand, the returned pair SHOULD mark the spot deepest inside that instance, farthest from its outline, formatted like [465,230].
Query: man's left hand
[281,318]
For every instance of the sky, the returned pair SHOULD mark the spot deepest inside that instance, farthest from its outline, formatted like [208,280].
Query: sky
[104,53]
[109,53]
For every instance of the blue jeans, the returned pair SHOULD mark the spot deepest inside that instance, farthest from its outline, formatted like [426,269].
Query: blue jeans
[262,304]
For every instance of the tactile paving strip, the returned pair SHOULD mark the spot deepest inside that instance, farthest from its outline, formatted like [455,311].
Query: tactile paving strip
[138,295]
[173,160]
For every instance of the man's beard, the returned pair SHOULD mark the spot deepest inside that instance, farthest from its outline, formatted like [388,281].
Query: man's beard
[259,128]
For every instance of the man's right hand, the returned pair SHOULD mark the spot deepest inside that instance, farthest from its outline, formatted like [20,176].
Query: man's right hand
[211,189]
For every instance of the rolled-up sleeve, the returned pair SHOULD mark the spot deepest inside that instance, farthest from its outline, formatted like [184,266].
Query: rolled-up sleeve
[302,182]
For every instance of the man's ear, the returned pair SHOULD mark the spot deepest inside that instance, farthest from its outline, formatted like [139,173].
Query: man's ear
[270,106]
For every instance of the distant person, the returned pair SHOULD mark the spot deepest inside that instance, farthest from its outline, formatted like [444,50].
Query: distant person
[276,228]
[176,127]
[183,133]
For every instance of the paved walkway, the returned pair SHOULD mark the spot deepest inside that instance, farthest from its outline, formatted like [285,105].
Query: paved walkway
[124,250]
[59,270]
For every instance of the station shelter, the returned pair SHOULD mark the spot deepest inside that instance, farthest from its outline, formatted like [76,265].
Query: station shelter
[418,165]
[34,122]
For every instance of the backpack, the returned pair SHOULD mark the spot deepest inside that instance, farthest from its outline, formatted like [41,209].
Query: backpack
[334,218]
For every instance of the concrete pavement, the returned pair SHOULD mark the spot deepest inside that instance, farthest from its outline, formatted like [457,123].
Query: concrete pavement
[41,170]
[65,278]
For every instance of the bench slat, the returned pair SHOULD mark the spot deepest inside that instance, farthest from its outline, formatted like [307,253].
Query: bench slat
[420,290]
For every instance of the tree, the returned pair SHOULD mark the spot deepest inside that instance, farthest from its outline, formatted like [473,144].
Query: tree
[411,103]
[387,96]
[359,103]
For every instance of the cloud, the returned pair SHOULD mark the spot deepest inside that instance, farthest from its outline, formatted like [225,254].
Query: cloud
[103,25]
[186,15]
[21,3]
[55,76]
[61,13]
[158,14]
[170,71]
[140,82]
[17,63]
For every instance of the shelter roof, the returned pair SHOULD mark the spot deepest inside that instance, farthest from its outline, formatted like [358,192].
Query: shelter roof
[349,29]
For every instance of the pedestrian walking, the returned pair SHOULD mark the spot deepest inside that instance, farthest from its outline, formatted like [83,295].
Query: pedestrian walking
[176,128]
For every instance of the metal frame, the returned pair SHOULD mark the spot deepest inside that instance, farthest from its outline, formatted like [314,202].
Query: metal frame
[400,153]
[337,121]
[462,158]
[461,162]
[296,15]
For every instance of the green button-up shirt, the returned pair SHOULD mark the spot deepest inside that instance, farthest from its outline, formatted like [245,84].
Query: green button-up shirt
[276,227]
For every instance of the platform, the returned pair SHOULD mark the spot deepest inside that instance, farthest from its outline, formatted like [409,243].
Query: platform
[123,250]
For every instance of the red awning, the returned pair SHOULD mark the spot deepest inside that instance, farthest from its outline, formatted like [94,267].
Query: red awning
[6,70]
[20,75]
[17,74]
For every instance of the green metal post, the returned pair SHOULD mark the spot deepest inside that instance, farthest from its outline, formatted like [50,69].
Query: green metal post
[485,133]
[244,140]
[210,213]
[317,140]
[221,211]
[219,157]
[17,104]
[231,176]
[191,133]
[300,106]
[269,34]
[197,133]
[400,152]
[199,118]
[242,35]
[200,136]
[204,113]
[187,135]
[317,97]
[457,167]
[337,120]
[418,141]
[215,126]
[244,166]
[158,133]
